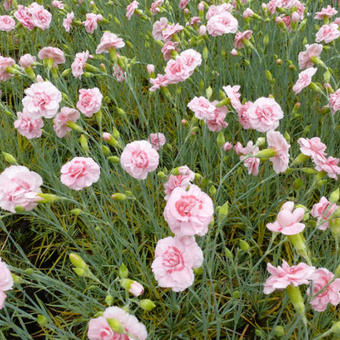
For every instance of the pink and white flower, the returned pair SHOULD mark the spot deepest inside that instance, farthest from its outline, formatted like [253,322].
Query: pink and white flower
[4,63]
[7,23]
[109,40]
[202,108]
[65,115]
[323,210]
[6,282]
[240,37]
[251,163]
[40,17]
[168,48]
[91,22]
[334,101]
[27,60]
[328,33]
[67,22]
[305,78]
[155,6]
[223,23]
[28,127]
[139,158]
[158,28]
[325,12]
[130,9]
[313,148]
[183,180]
[233,94]
[78,64]
[277,142]
[157,140]
[304,57]
[329,165]
[90,101]
[54,53]
[80,173]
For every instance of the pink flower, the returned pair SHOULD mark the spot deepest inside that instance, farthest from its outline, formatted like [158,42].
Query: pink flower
[19,187]
[7,4]
[139,158]
[288,221]
[80,173]
[4,63]
[252,163]
[276,141]
[334,101]
[248,13]
[155,6]
[158,82]
[191,59]
[329,165]
[27,60]
[171,30]
[189,212]
[157,140]
[216,121]
[109,40]
[42,100]
[282,277]
[6,282]
[323,210]
[227,146]
[65,115]
[240,37]
[243,116]
[202,30]
[194,21]
[40,17]
[158,28]
[328,33]
[28,127]
[305,78]
[130,9]
[90,101]
[174,261]
[313,50]
[168,48]
[79,64]
[312,147]
[52,53]
[99,328]
[234,96]
[150,68]
[57,4]
[183,180]
[222,24]
[217,10]
[67,22]
[325,12]
[202,108]
[183,4]
[91,22]
[7,23]
[136,289]
[118,73]
[264,114]
[320,278]
[24,16]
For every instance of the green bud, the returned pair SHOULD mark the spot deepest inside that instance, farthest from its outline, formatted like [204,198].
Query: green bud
[223,211]
[296,299]
[334,225]
[161,175]
[334,196]
[201,84]
[198,271]
[228,254]
[99,117]
[269,76]
[301,158]
[266,40]
[337,271]
[29,271]
[309,171]
[74,126]
[266,153]
[209,92]
[66,72]
[123,271]
[236,294]
[19,209]
[212,191]
[9,158]
[48,198]
[119,196]
[115,325]
[106,150]
[76,212]
[17,279]
[205,53]
[147,305]
[109,300]
[279,331]
[126,283]
[220,139]
[327,76]
[77,261]
[84,143]
[42,321]
[114,159]
[260,141]
[244,245]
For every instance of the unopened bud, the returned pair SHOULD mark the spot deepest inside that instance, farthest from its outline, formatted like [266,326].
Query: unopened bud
[48,198]
[266,153]
[123,271]
[42,321]
[109,300]
[244,245]
[279,331]
[334,196]
[77,261]
[147,305]
[76,212]
[119,196]
[115,325]
[220,139]
[9,158]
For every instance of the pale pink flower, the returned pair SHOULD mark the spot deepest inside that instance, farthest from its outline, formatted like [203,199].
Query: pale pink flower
[28,127]
[118,73]
[227,146]
[189,212]
[234,52]
[325,12]
[57,4]
[136,288]
[176,71]
[40,17]
[202,108]
[277,142]
[19,187]
[67,22]
[7,4]
[252,163]
[4,63]
[99,328]
[200,6]
[155,6]
[168,48]
[334,101]
[320,278]
[217,10]
[248,13]
[337,21]
[65,115]
[282,277]
[183,180]
[305,78]
[27,60]
[323,210]
[42,100]
[240,37]
[80,173]
[194,21]
[243,117]
[234,96]
[6,282]
[130,9]
[24,16]
[157,140]
[313,50]
[191,59]
[160,81]
[264,114]
[90,101]
[288,220]
[222,24]
[139,158]
[109,40]
[158,28]
[150,68]
[216,121]
[171,30]
[183,4]
[202,30]
[328,33]
[312,147]
[91,22]
[78,64]
[52,53]
[174,262]
[7,23]
[329,165]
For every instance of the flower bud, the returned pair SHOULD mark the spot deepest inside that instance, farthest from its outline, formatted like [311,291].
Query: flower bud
[119,196]
[222,212]
[115,325]
[123,271]
[244,245]
[266,153]
[296,299]
[9,158]
[260,141]
[42,321]
[19,209]
[84,143]
[48,198]
[114,159]
[279,331]
[301,158]
[220,139]
[109,300]
[228,254]
[106,150]
[147,305]
[76,212]
[74,126]
[334,196]
[77,261]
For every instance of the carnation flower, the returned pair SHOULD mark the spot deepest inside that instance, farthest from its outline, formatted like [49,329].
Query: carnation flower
[168,48]
[233,94]
[52,53]
[320,279]
[288,221]
[6,282]
[139,158]
[323,210]
[28,127]
[251,163]
[174,261]
[220,24]
[189,212]
[90,101]
[334,101]
[305,78]
[78,64]
[170,31]
[4,63]
[216,10]
[240,37]
[130,9]
[67,22]
[40,17]
[91,22]
[312,147]
[304,57]
[277,142]
[282,277]
[23,15]
[160,81]
[216,121]
[202,107]
[157,140]
[27,60]
[65,115]
[154,9]
[329,165]
[328,33]
[109,40]
[325,12]
[19,187]
[99,329]
[42,100]
[7,23]
[158,28]
[80,173]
